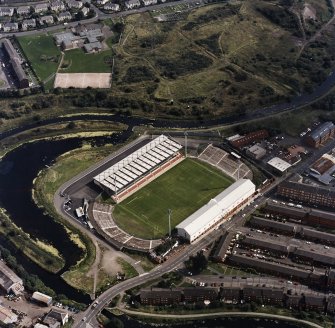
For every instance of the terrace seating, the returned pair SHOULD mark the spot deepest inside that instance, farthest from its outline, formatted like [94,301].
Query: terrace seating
[219,158]
[102,215]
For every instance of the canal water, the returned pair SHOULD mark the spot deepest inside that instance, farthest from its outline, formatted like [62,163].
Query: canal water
[18,169]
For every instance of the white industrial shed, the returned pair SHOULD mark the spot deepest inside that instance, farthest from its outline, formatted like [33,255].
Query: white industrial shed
[219,207]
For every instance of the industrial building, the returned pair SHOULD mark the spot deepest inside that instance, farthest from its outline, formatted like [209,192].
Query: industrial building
[278,165]
[7,316]
[9,281]
[15,61]
[126,176]
[296,190]
[323,169]
[222,206]
[320,135]
[239,141]
[256,152]
[42,298]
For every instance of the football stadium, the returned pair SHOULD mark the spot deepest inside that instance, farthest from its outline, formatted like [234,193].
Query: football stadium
[156,189]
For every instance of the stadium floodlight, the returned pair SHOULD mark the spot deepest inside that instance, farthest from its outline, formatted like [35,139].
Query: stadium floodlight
[169,213]
[185,134]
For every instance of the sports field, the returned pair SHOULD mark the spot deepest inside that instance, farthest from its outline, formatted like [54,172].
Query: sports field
[42,53]
[183,189]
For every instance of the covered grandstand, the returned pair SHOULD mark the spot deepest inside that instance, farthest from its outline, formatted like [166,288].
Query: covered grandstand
[126,176]
[222,206]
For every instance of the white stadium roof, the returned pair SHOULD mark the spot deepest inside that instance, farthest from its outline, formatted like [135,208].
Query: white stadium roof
[217,207]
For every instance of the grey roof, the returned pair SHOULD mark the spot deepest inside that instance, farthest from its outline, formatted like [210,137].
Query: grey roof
[11,52]
[270,266]
[308,232]
[285,210]
[323,214]
[322,130]
[223,245]
[92,46]
[20,73]
[8,277]
[260,241]
[277,225]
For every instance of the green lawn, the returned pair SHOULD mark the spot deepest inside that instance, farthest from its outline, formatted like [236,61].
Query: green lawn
[77,61]
[42,53]
[183,189]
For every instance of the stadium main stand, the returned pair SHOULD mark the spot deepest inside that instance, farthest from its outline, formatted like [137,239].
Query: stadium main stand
[122,179]
[105,225]
[221,159]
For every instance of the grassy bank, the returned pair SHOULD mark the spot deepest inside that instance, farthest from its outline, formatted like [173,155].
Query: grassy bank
[38,251]
[46,184]
[61,131]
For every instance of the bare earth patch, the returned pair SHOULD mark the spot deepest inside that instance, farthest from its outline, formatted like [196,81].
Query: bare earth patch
[309,12]
[83,80]
[109,262]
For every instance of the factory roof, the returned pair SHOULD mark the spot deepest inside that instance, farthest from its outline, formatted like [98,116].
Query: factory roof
[279,164]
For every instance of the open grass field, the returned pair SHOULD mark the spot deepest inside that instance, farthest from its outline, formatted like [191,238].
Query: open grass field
[183,189]
[77,61]
[42,53]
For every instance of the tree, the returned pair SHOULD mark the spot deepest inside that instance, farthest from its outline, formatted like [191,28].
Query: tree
[115,323]
[197,263]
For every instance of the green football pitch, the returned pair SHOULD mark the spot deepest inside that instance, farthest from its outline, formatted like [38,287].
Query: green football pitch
[183,189]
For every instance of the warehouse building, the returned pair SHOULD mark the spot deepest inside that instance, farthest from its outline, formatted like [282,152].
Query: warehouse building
[222,206]
[7,316]
[9,281]
[278,165]
[42,298]
[320,135]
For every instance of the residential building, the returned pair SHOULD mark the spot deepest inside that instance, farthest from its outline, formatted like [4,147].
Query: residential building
[64,16]
[93,47]
[57,5]
[85,11]
[41,7]
[222,247]
[198,294]
[10,27]
[230,294]
[160,296]
[28,23]
[101,2]
[149,2]
[310,194]
[130,4]
[74,4]
[112,6]
[23,10]
[6,11]
[46,20]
